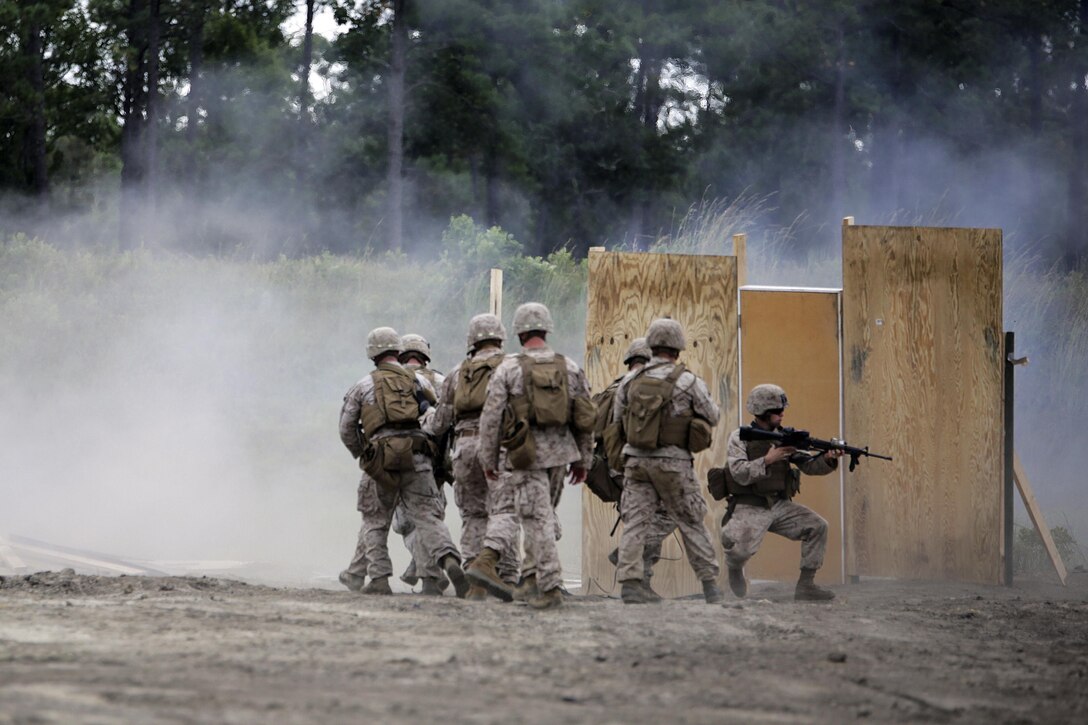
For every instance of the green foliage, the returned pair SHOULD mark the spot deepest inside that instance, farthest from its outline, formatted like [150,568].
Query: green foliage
[1030,555]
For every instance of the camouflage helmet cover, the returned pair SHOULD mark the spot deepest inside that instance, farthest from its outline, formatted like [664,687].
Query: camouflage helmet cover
[766,397]
[382,339]
[484,327]
[637,348]
[417,344]
[666,332]
[532,316]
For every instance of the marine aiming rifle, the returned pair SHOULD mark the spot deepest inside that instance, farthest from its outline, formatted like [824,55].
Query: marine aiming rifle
[801,440]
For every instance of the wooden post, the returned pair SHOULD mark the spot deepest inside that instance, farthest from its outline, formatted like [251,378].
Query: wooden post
[740,251]
[495,307]
[1009,449]
[848,221]
[1037,519]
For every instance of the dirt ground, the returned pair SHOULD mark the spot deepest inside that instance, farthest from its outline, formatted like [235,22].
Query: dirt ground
[146,650]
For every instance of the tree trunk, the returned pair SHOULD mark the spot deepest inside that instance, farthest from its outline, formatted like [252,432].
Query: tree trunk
[838,132]
[35,147]
[151,140]
[304,96]
[133,103]
[395,178]
[1077,205]
[196,67]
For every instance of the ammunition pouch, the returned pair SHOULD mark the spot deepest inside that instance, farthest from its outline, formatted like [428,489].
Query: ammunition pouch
[387,459]
[600,480]
[518,441]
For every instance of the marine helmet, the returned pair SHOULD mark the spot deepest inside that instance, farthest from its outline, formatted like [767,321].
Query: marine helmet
[637,348]
[417,344]
[382,339]
[484,327]
[532,316]
[766,397]
[666,332]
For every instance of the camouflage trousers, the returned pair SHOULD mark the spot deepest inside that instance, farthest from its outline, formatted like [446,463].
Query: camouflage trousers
[473,495]
[648,482]
[659,528]
[533,498]
[403,526]
[424,506]
[555,491]
[744,533]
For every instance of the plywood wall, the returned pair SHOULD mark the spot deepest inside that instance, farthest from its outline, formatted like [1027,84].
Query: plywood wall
[922,347]
[626,292]
[790,337]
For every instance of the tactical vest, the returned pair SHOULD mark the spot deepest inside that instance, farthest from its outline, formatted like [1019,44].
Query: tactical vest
[397,396]
[431,375]
[648,421]
[470,388]
[781,481]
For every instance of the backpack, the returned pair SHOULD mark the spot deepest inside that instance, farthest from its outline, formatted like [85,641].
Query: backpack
[397,396]
[470,389]
[545,401]
[607,434]
[644,417]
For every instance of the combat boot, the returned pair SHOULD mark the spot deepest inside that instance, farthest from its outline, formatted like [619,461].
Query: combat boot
[738,583]
[482,572]
[808,591]
[354,582]
[431,587]
[651,596]
[452,567]
[547,600]
[476,593]
[712,592]
[632,592]
[527,589]
[378,586]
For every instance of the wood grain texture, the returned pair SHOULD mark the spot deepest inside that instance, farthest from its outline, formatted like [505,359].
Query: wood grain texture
[626,293]
[1036,514]
[922,341]
[791,338]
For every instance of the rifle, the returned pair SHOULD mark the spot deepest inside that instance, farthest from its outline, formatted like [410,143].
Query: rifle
[802,440]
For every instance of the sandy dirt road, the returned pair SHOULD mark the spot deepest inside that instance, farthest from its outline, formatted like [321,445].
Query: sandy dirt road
[196,650]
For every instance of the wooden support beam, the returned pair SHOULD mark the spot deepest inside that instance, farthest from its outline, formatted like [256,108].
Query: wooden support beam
[1028,496]
[848,221]
[495,306]
[740,251]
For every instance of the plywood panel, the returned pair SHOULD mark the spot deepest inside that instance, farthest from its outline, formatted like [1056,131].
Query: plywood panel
[922,316]
[791,338]
[626,293]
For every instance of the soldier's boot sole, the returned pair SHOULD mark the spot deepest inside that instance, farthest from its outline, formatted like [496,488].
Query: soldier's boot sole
[550,599]
[737,583]
[812,593]
[486,577]
[452,567]
[527,589]
[354,582]
[712,592]
[631,592]
[431,587]
[379,586]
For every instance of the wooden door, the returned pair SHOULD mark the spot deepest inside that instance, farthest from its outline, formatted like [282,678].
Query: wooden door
[922,354]
[790,337]
[627,292]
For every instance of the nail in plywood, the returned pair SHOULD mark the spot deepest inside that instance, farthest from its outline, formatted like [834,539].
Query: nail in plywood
[1036,514]
[922,356]
[790,337]
[626,293]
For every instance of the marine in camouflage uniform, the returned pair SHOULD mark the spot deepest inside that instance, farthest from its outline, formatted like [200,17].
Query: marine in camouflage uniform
[761,482]
[415,488]
[663,473]
[557,448]
[661,524]
[476,498]
[415,355]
